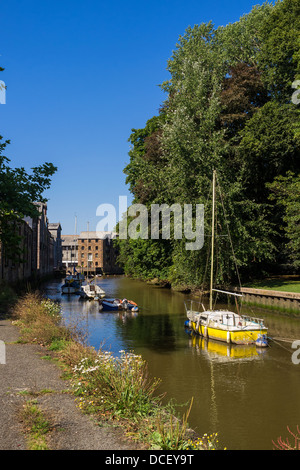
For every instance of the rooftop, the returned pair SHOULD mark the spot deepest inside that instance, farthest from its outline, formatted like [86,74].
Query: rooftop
[67,239]
[54,225]
[100,235]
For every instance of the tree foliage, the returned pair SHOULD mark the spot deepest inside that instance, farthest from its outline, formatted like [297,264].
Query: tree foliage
[285,190]
[228,107]
[279,57]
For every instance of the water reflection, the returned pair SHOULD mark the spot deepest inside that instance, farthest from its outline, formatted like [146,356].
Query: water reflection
[155,332]
[216,351]
[247,395]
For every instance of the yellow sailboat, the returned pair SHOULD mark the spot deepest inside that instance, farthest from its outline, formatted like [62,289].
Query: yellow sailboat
[224,325]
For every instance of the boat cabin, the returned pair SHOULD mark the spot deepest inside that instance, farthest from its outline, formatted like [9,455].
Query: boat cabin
[220,317]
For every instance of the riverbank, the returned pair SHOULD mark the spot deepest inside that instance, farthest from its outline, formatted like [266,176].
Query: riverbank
[287,302]
[31,374]
[47,365]
[283,283]
[280,293]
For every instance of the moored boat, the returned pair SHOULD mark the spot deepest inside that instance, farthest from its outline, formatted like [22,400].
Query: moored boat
[91,291]
[110,304]
[224,325]
[71,285]
[118,304]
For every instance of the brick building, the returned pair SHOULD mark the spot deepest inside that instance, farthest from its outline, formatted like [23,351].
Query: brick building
[97,253]
[69,244]
[38,245]
[55,231]
[43,243]
[13,271]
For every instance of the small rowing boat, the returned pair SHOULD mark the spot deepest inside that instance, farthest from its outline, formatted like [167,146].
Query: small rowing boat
[117,304]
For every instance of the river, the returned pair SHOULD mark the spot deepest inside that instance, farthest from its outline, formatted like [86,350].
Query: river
[247,396]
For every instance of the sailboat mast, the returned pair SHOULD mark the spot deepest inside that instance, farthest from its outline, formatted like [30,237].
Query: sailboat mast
[212,240]
[88,230]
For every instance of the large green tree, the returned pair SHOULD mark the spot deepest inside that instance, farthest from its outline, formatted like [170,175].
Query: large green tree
[146,161]
[228,107]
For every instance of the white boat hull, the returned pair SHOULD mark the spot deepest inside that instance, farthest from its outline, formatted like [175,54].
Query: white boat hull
[92,292]
[226,326]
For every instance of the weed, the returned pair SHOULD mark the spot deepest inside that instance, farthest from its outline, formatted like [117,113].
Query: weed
[172,435]
[118,385]
[36,425]
[282,444]
[206,442]
[39,320]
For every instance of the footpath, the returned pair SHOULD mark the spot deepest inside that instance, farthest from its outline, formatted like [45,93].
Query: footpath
[25,374]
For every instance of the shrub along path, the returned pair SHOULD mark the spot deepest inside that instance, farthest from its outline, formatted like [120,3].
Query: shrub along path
[27,375]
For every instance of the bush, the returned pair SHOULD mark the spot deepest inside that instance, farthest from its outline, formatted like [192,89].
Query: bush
[119,386]
[39,320]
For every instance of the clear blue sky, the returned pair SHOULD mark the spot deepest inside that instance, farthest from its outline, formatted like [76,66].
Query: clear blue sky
[80,75]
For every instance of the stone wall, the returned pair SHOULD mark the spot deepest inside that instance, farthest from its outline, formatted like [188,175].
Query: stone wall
[285,300]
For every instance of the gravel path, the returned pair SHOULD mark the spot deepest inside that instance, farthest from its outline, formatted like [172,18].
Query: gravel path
[25,370]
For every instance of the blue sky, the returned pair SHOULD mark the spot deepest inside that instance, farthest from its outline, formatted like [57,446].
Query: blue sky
[79,77]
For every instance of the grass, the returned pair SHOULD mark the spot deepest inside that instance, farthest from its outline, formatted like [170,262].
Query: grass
[113,389]
[172,434]
[282,285]
[37,426]
[39,320]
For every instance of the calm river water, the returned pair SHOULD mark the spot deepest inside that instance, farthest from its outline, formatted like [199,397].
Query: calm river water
[248,397]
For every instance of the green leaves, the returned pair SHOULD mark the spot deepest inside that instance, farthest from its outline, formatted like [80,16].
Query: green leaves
[229,107]
[268,147]
[285,191]
[279,57]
